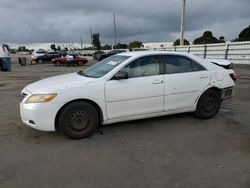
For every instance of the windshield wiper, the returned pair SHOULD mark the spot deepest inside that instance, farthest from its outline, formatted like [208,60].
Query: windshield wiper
[82,73]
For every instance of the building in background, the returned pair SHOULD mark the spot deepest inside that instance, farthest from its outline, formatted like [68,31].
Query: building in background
[152,45]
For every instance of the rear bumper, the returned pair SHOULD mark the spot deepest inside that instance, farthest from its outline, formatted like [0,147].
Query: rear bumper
[227,92]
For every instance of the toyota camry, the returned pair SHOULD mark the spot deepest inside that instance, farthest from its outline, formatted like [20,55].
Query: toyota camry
[126,86]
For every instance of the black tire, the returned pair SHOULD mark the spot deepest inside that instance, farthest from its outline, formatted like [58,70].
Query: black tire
[57,63]
[78,120]
[1,65]
[80,63]
[208,104]
[40,61]
[33,62]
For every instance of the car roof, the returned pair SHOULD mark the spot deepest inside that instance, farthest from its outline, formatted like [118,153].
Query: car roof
[207,64]
[143,53]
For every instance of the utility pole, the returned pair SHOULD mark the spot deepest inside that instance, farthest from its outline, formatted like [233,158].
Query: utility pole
[81,41]
[114,27]
[91,36]
[183,22]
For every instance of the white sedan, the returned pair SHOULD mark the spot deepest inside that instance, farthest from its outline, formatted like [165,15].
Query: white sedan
[124,87]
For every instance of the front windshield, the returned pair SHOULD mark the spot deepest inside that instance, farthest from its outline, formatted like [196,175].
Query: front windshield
[103,67]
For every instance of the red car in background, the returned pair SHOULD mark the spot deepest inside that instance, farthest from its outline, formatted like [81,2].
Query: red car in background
[70,60]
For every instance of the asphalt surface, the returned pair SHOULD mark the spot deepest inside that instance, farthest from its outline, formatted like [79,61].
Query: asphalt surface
[171,151]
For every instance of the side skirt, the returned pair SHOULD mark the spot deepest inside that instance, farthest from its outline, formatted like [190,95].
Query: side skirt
[144,116]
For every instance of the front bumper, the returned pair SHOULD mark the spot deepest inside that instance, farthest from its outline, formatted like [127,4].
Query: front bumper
[40,116]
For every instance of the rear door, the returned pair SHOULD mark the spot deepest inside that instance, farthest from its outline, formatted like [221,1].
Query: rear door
[184,80]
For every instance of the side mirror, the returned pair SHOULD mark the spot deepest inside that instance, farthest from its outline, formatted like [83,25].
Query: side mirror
[120,75]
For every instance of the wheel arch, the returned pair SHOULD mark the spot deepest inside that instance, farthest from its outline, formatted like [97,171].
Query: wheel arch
[218,90]
[94,104]
[206,114]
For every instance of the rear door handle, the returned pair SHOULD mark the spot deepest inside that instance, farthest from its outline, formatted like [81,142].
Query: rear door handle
[157,82]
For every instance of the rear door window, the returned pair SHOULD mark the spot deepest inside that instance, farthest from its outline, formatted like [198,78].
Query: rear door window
[179,64]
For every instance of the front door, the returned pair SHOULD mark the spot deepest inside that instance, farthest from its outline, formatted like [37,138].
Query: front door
[142,93]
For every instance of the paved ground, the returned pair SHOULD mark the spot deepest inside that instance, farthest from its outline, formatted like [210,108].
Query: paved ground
[172,151]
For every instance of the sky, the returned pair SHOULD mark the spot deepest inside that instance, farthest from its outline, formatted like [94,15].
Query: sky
[64,21]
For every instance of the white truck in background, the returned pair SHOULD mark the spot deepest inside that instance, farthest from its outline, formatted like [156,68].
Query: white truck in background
[4,58]
[4,51]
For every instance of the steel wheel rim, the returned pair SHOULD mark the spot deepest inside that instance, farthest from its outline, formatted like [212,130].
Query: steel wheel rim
[79,121]
[209,104]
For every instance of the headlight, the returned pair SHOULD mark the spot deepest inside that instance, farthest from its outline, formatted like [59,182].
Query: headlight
[40,98]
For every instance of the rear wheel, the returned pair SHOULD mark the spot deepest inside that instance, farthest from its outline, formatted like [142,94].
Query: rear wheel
[78,120]
[208,104]
[80,63]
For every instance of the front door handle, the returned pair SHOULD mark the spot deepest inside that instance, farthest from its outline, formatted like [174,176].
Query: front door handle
[157,82]
[203,76]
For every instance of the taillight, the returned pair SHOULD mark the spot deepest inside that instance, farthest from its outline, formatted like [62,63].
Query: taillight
[233,76]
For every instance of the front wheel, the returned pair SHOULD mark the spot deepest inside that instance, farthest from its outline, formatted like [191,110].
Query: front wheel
[33,62]
[57,63]
[40,61]
[208,104]
[78,120]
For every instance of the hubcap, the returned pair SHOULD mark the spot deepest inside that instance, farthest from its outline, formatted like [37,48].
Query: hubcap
[79,121]
[209,104]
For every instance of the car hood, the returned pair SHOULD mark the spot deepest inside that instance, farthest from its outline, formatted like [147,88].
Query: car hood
[57,83]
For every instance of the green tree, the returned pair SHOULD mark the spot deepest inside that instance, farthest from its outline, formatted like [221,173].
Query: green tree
[107,47]
[177,42]
[244,34]
[88,48]
[6,46]
[120,46]
[21,48]
[96,41]
[221,39]
[13,51]
[206,38]
[58,48]
[53,47]
[135,44]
